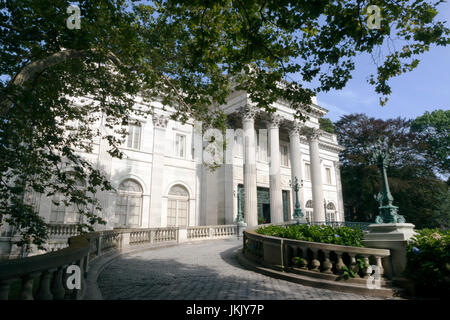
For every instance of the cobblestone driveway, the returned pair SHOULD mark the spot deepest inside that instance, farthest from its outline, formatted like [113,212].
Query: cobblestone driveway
[203,271]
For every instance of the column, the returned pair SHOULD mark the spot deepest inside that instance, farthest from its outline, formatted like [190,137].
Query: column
[337,170]
[296,158]
[316,174]
[230,199]
[198,157]
[156,192]
[276,200]
[250,194]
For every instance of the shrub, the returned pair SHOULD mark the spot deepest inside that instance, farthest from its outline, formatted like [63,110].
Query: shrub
[428,262]
[325,234]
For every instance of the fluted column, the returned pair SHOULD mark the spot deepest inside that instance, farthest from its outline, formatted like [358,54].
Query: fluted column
[337,170]
[250,191]
[316,174]
[296,156]
[276,199]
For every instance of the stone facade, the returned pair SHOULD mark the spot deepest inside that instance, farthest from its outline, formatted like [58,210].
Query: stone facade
[162,179]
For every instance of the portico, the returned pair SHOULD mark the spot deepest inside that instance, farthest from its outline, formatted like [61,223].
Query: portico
[307,147]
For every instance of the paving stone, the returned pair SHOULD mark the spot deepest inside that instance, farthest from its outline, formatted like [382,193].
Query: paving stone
[200,271]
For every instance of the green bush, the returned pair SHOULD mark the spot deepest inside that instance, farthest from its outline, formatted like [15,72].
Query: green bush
[325,234]
[428,262]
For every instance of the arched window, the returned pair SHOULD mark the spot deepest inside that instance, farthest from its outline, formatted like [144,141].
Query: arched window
[178,207]
[331,212]
[129,204]
[309,204]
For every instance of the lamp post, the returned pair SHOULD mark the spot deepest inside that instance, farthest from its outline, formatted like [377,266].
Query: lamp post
[387,211]
[240,217]
[298,215]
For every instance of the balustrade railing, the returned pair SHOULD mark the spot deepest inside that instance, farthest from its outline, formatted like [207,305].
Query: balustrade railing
[153,235]
[211,232]
[316,257]
[62,230]
[19,277]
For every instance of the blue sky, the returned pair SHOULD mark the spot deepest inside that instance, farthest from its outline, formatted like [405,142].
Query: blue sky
[426,88]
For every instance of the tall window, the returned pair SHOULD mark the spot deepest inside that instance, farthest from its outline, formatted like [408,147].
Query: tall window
[134,136]
[309,210]
[331,212]
[262,145]
[284,155]
[62,213]
[178,207]
[129,204]
[328,175]
[180,145]
[307,171]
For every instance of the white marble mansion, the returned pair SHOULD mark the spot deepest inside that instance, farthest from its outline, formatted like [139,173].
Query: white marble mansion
[162,179]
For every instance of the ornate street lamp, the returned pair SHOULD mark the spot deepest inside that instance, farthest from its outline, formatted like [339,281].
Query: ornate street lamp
[240,215]
[240,222]
[387,211]
[297,211]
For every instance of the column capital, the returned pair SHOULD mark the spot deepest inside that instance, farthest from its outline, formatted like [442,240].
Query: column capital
[311,133]
[248,112]
[160,120]
[294,128]
[274,121]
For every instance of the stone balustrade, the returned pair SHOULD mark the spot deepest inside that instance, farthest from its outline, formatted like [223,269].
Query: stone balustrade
[211,232]
[62,230]
[44,277]
[313,260]
[50,268]
[152,235]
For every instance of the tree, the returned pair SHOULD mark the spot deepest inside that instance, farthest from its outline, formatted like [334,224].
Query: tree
[326,125]
[418,193]
[189,54]
[434,131]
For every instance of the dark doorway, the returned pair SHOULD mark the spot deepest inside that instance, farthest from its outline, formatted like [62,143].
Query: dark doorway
[266,212]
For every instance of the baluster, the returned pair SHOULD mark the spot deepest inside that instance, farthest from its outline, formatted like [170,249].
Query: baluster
[315,263]
[353,265]
[340,263]
[327,265]
[367,271]
[57,285]
[43,292]
[26,292]
[4,288]
[380,266]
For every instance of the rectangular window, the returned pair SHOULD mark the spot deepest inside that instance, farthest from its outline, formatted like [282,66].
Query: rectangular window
[134,136]
[328,173]
[262,145]
[171,213]
[284,155]
[180,145]
[307,172]
[58,209]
